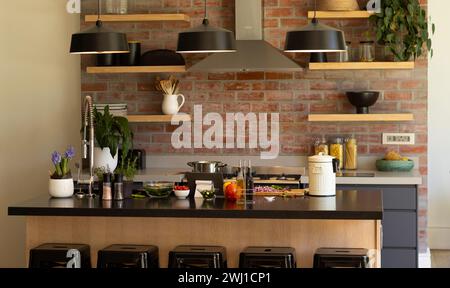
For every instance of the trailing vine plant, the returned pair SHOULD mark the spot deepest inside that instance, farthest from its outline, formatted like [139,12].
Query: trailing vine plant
[402,28]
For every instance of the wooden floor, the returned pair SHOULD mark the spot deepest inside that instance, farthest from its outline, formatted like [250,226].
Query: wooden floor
[234,234]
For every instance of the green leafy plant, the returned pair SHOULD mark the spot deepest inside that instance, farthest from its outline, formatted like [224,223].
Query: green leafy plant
[112,131]
[127,168]
[403,28]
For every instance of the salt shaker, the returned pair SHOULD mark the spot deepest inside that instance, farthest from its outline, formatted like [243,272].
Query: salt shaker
[118,187]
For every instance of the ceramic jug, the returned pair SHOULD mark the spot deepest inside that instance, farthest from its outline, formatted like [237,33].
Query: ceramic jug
[170,105]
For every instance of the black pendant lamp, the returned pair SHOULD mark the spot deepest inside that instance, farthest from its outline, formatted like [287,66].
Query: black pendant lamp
[99,40]
[317,39]
[206,39]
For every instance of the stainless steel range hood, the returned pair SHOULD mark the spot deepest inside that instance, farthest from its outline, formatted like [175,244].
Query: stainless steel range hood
[253,53]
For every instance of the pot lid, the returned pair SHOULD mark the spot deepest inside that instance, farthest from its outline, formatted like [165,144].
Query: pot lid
[321,158]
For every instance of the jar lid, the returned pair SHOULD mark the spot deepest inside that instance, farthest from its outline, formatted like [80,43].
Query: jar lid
[321,158]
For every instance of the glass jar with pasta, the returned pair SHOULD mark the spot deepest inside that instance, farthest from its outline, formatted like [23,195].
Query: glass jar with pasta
[351,154]
[321,146]
[337,151]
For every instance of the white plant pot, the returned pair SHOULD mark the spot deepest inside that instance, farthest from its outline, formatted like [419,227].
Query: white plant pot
[61,188]
[103,158]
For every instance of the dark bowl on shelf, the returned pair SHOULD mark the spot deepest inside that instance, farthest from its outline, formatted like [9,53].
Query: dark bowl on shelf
[363,100]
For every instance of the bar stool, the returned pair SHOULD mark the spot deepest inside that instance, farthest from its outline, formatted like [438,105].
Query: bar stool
[341,258]
[186,256]
[267,257]
[128,256]
[53,255]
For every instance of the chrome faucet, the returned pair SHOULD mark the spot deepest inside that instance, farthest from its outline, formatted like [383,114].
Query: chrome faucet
[89,121]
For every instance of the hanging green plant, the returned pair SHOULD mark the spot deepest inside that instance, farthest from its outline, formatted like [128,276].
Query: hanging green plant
[403,28]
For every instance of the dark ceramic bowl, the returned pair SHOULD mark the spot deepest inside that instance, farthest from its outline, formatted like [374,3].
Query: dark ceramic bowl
[363,100]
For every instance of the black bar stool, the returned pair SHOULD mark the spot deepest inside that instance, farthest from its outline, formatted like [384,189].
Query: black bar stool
[341,258]
[267,257]
[52,255]
[128,256]
[186,256]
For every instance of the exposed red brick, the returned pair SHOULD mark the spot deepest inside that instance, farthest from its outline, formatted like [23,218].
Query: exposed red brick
[221,76]
[237,86]
[250,96]
[250,76]
[279,12]
[93,87]
[278,75]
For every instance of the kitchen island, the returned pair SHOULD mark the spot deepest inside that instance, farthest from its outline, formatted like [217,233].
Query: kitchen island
[352,219]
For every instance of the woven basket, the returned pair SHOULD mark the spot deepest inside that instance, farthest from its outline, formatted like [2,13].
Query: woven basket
[337,5]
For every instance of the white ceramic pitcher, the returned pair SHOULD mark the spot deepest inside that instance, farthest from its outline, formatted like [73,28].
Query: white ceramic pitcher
[170,105]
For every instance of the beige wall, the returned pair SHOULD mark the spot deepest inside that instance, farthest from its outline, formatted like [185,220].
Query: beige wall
[39,109]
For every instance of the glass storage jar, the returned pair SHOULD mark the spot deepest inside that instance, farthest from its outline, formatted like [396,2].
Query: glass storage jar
[321,146]
[346,55]
[337,151]
[351,154]
[367,51]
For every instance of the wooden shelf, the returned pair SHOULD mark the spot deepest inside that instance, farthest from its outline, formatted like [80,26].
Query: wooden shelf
[157,118]
[360,117]
[361,65]
[340,14]
[138,17]
[136,69]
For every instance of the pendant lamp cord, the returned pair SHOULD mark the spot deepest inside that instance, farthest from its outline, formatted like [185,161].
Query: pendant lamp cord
[99,12]
[205,18]
[314,20]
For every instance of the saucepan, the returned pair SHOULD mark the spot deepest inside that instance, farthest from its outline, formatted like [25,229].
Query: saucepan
[206,166]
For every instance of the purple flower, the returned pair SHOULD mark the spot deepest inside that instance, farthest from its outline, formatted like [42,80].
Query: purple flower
[56,158]
[70,152]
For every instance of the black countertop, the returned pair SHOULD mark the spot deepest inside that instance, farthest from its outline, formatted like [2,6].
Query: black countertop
[358,205]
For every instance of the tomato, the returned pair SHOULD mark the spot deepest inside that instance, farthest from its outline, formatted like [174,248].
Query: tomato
[181,188]
[231,192]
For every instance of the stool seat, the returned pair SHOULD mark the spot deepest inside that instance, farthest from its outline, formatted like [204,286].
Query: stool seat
[58,255]
[341,258]
[188,256]
[128,256]
[267,257]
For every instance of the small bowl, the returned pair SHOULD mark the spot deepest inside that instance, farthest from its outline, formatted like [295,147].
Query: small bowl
[208,194]
[363,100]
[182,194]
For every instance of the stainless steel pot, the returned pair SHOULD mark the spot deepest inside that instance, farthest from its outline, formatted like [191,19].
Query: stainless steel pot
[206,166]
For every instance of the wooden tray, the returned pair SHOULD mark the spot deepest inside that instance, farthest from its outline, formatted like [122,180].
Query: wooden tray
[290,193]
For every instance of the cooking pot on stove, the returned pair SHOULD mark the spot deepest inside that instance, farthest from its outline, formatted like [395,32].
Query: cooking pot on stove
[206,166]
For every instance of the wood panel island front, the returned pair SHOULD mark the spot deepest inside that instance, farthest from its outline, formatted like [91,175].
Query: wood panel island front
[352,219]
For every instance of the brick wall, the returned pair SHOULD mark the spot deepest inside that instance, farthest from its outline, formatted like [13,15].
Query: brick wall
[293,95]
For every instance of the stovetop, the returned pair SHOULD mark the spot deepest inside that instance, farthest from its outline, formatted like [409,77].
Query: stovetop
[273,175]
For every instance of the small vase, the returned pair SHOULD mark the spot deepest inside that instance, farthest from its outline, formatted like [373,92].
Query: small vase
[170,105]
[103,158]
[61,188]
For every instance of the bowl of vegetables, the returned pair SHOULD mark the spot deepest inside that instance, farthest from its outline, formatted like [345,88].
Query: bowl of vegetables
[181,191]
[208,194]
[156,189]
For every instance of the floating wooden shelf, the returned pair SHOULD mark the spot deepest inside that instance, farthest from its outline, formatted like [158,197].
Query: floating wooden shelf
[340,14]
[361,65]
[360,117]
[158,118]
[138,17]
[136,69]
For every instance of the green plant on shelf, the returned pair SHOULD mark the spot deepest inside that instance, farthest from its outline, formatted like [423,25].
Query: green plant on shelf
[403,28]
[112,131]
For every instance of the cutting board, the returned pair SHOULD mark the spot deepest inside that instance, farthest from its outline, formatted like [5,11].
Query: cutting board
[290,193]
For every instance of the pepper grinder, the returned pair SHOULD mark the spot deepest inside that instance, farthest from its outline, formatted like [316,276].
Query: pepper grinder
[118,187]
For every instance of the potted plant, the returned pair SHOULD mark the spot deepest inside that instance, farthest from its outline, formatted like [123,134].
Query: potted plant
[61,182]
[128,169]
[110,133]
[402,28]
